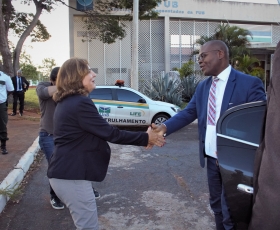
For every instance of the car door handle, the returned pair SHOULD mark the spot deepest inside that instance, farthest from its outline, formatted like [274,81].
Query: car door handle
[245,188]
[120,107]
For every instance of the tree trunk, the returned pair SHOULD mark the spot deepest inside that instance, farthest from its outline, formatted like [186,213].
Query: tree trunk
[26,33]
[4,45]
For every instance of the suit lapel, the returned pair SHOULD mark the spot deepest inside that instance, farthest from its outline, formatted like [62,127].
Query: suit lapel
[228,91]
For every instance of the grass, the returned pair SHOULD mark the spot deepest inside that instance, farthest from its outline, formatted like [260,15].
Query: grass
[31,102]
[12,193]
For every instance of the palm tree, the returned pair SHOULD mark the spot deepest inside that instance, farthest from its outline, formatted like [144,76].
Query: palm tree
[245,63]
[236,39]
[249,65]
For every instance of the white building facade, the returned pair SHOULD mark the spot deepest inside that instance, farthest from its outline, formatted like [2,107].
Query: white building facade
[169,40]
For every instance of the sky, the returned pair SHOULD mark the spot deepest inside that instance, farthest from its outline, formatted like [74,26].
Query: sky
[57,47]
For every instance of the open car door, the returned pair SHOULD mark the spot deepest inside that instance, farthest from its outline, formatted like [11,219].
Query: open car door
[239,131]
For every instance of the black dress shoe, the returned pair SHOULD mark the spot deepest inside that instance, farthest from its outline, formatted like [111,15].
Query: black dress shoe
[20,114]
[4,151]
[13,114]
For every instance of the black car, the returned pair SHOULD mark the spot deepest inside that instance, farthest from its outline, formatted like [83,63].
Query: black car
[239,131]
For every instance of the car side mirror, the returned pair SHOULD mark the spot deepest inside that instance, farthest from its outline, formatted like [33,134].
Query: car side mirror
[142,100]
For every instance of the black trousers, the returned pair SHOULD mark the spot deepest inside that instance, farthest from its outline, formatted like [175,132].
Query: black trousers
[19,95]
[3,122]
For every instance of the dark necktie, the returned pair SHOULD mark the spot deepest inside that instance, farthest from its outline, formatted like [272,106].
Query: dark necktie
[19,83]
[212,103]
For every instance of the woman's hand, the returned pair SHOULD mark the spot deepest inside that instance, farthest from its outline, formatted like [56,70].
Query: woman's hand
[155,138]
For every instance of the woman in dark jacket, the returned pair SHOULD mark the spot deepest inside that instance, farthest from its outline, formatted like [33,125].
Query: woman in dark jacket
[81,154]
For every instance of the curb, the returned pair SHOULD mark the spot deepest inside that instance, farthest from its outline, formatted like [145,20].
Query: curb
[15,177]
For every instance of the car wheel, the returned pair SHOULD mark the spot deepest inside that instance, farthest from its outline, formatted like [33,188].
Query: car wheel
[160,118]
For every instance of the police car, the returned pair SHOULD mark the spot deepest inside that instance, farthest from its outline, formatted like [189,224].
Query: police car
[123,106]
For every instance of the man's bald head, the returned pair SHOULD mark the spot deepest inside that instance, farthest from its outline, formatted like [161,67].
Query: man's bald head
[218,45]
[213,57]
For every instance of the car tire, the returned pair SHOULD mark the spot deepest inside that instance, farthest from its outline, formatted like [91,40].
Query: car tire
[160,118]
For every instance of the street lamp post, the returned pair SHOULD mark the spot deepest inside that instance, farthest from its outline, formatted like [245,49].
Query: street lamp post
[134,65]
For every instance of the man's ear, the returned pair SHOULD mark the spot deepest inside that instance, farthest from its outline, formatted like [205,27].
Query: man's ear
[221,54]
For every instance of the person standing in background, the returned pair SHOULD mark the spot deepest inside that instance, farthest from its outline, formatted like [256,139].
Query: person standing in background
[6,87]
[45,91]
[20,87]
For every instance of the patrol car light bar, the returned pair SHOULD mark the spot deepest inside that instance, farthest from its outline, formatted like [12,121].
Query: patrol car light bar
[119,83]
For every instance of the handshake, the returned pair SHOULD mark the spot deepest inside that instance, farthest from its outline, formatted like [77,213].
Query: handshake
[156,135]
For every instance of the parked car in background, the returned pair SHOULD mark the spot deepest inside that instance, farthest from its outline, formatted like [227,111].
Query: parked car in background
[239,131]
[124,106]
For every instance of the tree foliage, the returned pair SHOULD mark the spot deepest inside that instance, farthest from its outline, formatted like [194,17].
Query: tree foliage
[47,65]
[165,89]
[250,65]
[25,58]
[20,22]
[236,39]
[186,69]
[22,25]
[189,81]
[238,43]
[103,25]
[29,71]
[189,84]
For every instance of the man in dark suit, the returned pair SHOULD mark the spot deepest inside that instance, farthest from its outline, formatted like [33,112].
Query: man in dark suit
[266,207]
[224,89]
[20,85]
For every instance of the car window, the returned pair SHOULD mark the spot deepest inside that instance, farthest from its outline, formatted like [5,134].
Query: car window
[102,94]
[245,124]
[125,95]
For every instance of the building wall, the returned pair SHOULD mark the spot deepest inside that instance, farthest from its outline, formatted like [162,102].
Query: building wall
[220,10]
[168,41]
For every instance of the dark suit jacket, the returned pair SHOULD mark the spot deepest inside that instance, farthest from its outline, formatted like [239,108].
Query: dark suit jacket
[240,88]
[80,134]
[266,209]
[23,82]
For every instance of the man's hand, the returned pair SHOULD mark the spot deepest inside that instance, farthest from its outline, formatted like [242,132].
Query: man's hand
[154,139]
[51,90]
[160,130]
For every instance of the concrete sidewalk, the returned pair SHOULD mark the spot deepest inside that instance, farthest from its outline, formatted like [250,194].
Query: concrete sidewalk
[22,147]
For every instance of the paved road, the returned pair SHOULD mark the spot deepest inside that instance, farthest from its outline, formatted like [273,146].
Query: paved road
[163,188]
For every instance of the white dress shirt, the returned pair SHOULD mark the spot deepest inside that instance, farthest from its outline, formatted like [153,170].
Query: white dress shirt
[211,135]
[6,85]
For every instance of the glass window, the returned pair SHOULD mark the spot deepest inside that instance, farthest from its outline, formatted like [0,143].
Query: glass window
[245,124]
[125,95]
[102,94]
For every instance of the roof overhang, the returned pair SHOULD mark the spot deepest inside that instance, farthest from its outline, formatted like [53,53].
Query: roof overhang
[263,48]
